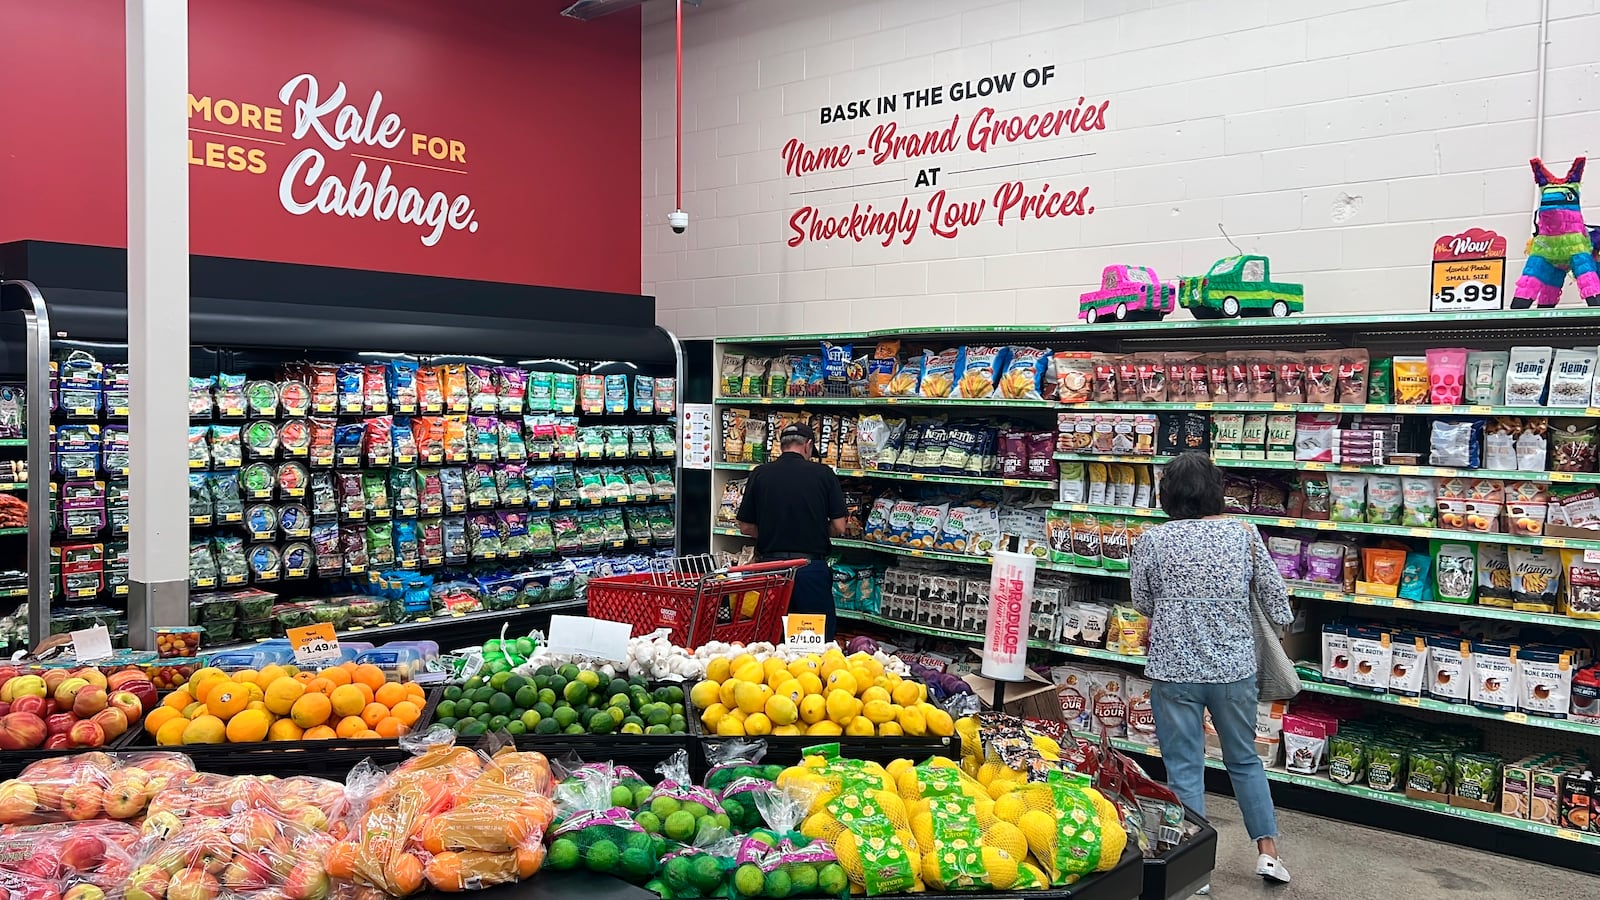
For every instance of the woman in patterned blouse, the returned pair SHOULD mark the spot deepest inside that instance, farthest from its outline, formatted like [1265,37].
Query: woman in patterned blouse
[1193,576]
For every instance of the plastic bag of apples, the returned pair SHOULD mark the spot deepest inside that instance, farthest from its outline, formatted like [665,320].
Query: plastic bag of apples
[253,854]
[89,786]
[80,860]
[313,802]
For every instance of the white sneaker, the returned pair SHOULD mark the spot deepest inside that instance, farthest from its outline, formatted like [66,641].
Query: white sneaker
[1203,891]
[1272,869]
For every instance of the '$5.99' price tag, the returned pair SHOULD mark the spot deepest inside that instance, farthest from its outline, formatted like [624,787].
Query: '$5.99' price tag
[314,644]
[806,632]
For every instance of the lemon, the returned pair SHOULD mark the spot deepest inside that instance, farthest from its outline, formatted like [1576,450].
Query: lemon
[878,711]
[912,721]
[804,664]
[730,727]
[704,694]
[860,726]
[1009,808]
[922,830]
[1039,830]
[891,804]
[825,728]
[717,670]
[810,682]
[757,724]
[819,826]
[842,680]
[897,767]
[907,693]
[1002,868]
[910,784]
[941,725]
[813,709]
[862,677]
[789,688]
[787,730]
[984,807]
[930,870]
[843,707]
[1007,837]
[890,729]
[989,771]
[875,693]
[747,696]
[1001,787]
[712,715]
[740,661]
[781,709]
[725,693]
[848,854]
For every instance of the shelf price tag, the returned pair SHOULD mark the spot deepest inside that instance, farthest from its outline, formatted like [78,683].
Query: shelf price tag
[1517,718]
[1409,701]
[314,644]
[805,632]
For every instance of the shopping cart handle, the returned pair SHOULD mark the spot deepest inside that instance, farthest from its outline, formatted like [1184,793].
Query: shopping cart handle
[771,565]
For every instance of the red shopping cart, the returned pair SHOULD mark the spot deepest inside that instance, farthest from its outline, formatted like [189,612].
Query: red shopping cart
[697,601]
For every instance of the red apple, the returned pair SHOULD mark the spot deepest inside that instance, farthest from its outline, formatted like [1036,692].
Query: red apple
[35,706]
[247,874]
[308,881]
[82,852]
[22,731]
[147,883]
[112,722]
[5,708]
[90,699]
[87,734]
[82,801]
[17,803]
[145,691]
[60,723]
[84,892]
[7,673]
[67,691]
[193,884]
[53,679]
[131,707]
[91,675]
[58,742]
[127,794]
[51,707]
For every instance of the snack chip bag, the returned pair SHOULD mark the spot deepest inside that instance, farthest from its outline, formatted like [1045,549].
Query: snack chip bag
[978,371]
[1024,374]
[939,373]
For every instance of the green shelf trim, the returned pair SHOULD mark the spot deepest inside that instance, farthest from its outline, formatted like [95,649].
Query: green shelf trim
[1388,322]
[4,531]
[979,480]
[14,592]
[1423,409]
[13,485]
[1318,783]
[907,551]
[983,402]
[1454,709]
[1135,458]
[13,442]
[1465,610]
[1448,534]
[1089,652]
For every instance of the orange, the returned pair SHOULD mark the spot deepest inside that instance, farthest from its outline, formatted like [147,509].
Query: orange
[178,699]
[158,717]
[347,700]
[311,710]
[321,686]
[350,726]
[245,676]
[201,686]
[369,675]
[269,674]
[367,734]
[415,692]
[405,873]
[305,677]
[529,860]
[227,700]
[284,730]
[171,734]
[390,727]
[407,712]
[319,733]
[366,692]
[390,693]
[249,726]
[341,860]
[373,713]
[282,693]
[336,675]
[205,730]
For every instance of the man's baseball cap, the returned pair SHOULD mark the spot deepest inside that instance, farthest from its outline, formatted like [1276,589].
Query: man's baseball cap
[798,430]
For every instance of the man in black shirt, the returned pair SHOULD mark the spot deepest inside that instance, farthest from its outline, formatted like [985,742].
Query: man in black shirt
[791,507]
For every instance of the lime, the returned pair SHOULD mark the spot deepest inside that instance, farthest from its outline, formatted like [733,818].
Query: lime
[764,836]
[515,726]
[778,884]
[723,822]
[621,796]
[576,692]
[802,879]
[445,710]
[547,726]
[614,713]
[498,723]
[590,679]
[705,829]
[617,686]
[514,683]
[526,696]
[659,888]
[563,854]
[477,710]
[658,729]
[547,696]
[565,716]
[678,725]
[471,685]
[748,880]
[501,703]
[679,826]
[634,720]
[498,682]
[637,864]
[557,684]
[631,728]
[640,841]
[664,806]
[641,795]
[453,692]
[648,820]
[531,719]
[603,856]
[544,671]
[658,715]
[525,647]
[734,809]
[620,701]
[678,872]
[601,723]
[698,810]
[445,721]
[574,728]
[463,723]
[476,729]
[568,671]
[771,773]
[545,710]
[832,880]
[707,874]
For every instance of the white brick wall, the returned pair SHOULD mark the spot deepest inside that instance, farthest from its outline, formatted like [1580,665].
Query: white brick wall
[1340,137]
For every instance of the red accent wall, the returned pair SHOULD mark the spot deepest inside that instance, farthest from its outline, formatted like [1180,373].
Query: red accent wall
[544,111]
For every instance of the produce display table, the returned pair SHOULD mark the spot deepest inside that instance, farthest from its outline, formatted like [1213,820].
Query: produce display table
[1184,869]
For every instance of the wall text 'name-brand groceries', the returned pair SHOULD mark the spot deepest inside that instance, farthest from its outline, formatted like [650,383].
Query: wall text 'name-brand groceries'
[337,125]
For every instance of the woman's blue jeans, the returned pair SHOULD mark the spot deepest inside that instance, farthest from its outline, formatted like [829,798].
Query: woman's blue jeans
[1180,727]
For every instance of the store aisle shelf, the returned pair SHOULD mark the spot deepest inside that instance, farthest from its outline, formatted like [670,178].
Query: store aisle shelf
[388,630]
[1070,649]
[1453,709]
[1296,466]
[944,402]
[980,481]
[1318,783]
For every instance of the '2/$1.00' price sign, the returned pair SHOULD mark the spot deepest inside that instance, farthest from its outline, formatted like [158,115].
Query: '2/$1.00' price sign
[805,632]
[314,644]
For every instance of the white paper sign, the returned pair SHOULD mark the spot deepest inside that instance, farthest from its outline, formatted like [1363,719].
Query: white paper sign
[696,435]
[1005,646]
[584,636]
[91,644]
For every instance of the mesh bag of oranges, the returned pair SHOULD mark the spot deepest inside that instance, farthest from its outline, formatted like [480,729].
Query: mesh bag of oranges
[964,845]
[851,806]
[494,833]
[249,855]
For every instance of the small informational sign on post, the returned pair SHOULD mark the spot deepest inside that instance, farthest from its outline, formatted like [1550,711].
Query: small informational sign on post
[91,644]
[314,644]
[805,632]
[1469,272]
[696,432]
[1005,646]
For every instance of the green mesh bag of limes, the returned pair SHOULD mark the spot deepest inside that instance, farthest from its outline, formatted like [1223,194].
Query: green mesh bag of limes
[737,777]
[605,840]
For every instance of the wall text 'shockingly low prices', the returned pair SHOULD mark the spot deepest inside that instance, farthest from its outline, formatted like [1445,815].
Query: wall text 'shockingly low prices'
[984,131]
[361,187]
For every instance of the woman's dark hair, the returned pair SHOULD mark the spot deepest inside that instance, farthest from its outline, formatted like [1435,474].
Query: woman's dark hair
[1191,487]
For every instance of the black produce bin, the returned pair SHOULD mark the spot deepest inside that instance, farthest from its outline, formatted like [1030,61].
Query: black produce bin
[640,752]
[1182,870]
[789,750]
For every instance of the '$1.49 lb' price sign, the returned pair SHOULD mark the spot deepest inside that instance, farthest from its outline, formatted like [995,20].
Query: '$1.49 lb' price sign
[314,644]
[1469,272]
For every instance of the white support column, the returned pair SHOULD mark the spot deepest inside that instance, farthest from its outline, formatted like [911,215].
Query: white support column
[158,313]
